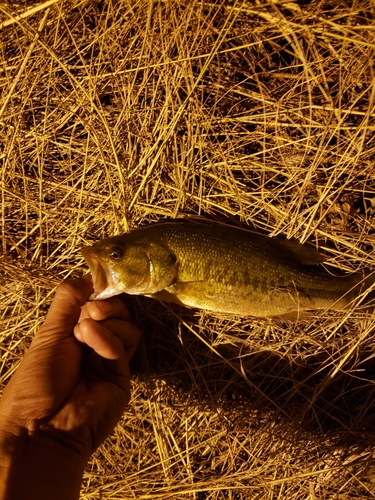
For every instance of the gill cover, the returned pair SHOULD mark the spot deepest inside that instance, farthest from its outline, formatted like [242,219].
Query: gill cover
[146,268]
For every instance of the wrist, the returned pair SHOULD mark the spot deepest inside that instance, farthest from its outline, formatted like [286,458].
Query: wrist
[33,465]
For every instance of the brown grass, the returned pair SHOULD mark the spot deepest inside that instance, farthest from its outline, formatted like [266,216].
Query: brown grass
[115,114]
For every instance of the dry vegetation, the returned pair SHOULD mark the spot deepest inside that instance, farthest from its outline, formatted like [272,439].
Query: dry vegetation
[115,114]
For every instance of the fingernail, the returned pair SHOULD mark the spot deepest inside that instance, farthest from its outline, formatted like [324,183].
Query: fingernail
[104,306]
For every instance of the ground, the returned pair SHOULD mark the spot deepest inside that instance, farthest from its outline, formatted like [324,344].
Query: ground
[117,114]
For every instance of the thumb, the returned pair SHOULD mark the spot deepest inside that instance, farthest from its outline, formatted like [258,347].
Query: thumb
[65,309]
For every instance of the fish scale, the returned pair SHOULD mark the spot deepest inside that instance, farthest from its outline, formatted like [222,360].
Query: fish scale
[218,268]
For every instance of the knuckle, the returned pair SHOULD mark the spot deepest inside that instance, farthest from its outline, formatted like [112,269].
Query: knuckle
[66,287]
[72,290]
[66,291]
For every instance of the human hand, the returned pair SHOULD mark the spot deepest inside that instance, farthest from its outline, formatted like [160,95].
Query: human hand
[63,390]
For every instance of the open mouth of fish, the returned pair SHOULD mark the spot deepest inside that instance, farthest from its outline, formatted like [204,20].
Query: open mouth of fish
[103,279]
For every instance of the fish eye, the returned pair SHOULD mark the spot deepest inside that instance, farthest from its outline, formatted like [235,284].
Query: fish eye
[116,253]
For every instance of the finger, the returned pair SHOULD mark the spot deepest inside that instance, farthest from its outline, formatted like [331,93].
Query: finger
[99,338]
[113,307]
[103,369]
[66,306]
[108,351]
[111,339]
[128,333]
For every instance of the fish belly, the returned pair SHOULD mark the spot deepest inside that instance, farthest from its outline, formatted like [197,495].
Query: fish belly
[247,301]
[232,300]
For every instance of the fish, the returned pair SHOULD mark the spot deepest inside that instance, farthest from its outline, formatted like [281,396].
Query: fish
[219,268]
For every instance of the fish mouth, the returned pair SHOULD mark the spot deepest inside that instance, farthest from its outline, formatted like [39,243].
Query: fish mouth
[103,280]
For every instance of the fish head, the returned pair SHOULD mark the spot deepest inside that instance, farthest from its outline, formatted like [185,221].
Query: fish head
[120,264]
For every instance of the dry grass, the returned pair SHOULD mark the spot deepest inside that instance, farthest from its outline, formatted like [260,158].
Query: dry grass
[121,113]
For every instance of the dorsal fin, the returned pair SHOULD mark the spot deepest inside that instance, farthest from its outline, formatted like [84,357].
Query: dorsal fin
[305,254]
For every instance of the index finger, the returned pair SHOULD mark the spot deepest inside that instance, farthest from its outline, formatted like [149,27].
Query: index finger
[100,310]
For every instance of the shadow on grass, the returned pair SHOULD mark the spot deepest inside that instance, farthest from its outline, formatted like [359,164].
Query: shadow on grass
[228,375]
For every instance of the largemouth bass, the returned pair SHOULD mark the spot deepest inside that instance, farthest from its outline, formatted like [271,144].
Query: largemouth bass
[218,268]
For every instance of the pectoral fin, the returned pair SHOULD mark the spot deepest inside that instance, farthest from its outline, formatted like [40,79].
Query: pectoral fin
[203,294]
[165,296]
